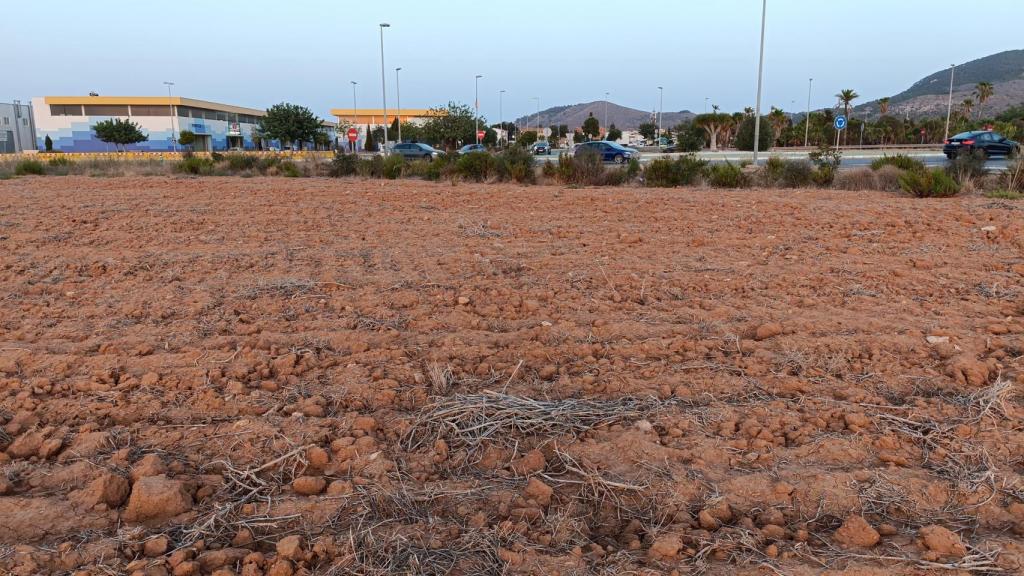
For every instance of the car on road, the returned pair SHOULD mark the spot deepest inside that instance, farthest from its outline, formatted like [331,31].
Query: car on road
[470,148]
[541,147]
[990,143]
[416,150]
[608,151]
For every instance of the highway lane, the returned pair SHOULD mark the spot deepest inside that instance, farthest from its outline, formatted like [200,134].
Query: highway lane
[852,158]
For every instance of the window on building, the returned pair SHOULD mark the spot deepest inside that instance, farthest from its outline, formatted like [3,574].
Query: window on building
[24,121]
[106,110]
[6,120]
[151,110]
[222,116]
[65,110]
[183,111]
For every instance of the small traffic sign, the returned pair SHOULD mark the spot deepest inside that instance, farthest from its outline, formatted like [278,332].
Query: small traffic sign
[840,122]
[480,134]
[353,134]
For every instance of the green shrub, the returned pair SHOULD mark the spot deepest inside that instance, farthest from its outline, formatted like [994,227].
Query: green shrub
[1004,194]
[29,167]
[549,170]
[393,166]
[517,163]
[343,165]
[771,172]
[661,173]
[216,156]
[745,135]
[796,174]
[900,161]
[824,175]
[1013,178]
[966,167]
[856,180]
[242,162]
[727,175]
[887,178]
[59,161]
[477,166]
[371,168]
[587,170]
[195,165]
[929,184]
[268,162]
[289,169]
[633,169]
[826,155]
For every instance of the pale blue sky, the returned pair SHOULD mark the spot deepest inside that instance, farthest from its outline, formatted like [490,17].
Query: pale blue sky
[256,53]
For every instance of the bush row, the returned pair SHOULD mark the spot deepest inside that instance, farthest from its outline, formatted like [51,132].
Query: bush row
[890,173]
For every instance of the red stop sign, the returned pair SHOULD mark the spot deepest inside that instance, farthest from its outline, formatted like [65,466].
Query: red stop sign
[353,134]
[480,134]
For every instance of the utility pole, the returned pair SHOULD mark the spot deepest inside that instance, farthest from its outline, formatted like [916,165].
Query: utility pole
[807,120]
[174,139]
[501,117]
[383,86]
[398,103]
[949,105]
[760,70]
[352,145]
[606,112]
[661,101]
[476,104]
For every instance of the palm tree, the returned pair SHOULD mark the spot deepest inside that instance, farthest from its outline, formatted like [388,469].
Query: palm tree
[715,108]
[846,97]
[778,120]
[966,107]
[983,91]
[883,105]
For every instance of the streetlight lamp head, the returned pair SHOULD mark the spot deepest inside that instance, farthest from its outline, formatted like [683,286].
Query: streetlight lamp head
[479,75]
[385,25]
[397,69]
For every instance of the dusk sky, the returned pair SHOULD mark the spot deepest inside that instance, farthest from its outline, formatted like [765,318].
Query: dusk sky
[256,53]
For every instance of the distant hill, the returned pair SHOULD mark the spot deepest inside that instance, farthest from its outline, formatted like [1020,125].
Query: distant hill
[929,96]
[623,117]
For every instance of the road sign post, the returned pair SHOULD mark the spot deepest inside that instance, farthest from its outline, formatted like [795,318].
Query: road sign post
[353,135]
[480,136]
[840,125]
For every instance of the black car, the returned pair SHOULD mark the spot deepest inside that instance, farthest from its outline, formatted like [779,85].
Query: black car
[541,147]
[991,143]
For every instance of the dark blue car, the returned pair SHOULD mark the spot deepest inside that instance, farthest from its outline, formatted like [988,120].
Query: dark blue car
[608,151]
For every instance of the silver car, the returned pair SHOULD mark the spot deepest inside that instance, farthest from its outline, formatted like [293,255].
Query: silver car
[416,151]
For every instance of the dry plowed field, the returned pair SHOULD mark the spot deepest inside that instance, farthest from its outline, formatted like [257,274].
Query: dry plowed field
[280,376]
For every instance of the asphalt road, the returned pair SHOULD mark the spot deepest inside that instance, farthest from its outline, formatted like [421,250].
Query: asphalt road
[852,158]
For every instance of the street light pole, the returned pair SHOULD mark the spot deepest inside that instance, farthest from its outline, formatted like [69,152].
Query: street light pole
[476,104]
[760,69]
[949,105]
[501,116]
[398,103]
[174,139]
[383,85]
[661,101]
[353,144]
[537,98]
[606,112]
[807,120]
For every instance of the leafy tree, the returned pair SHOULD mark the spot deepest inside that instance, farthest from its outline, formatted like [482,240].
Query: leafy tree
[321,140]
[591,127]
[648,130]
[967,106]
[713,124]
[690,137]
[883,105]
[983,91]
[745,135]
[614,134]
[368,144]
[578,137]
[451,124]
[290,123]
[527,138]
[490,137]
[119,132]
[393,129]
[48,144]
[188,137]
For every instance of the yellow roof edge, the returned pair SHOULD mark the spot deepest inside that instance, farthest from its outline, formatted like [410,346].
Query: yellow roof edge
[342,112]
